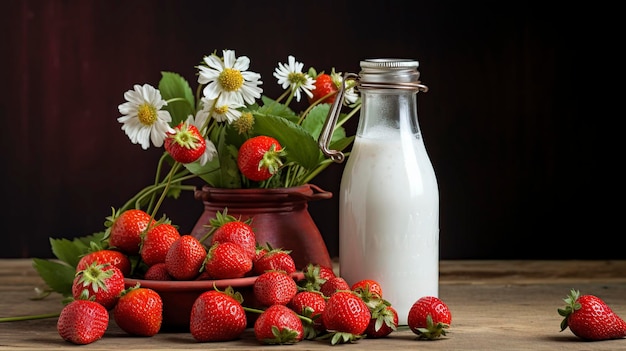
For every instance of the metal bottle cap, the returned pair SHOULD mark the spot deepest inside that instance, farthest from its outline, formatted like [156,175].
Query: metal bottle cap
[390,73]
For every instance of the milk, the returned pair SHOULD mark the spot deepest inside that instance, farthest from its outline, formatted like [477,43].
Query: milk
[389,217]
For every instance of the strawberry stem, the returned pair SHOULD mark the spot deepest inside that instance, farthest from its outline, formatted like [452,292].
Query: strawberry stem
[28,318]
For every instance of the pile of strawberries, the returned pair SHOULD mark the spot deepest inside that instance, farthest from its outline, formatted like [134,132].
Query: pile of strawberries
[319,306]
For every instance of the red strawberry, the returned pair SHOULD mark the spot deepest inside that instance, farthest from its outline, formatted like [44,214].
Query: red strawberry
[260,157]
[310,304]
[125,229]
[217,316]
[333,285]
[383,322]
[156,242]
[275,260]
[346,317]
[314,276]
[139,311]
[114,257]
[102,283]
[429,317]
[186,144]
[185,258]
[229,228]
[274,288]
[324,87]
[157,271]
[368,289]
[590,318]
[82,322]
[227,260]
[278,324]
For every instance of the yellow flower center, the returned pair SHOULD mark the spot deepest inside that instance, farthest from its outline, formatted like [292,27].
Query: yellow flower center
[297,79]
[147,114]
[231,79]
[221,109]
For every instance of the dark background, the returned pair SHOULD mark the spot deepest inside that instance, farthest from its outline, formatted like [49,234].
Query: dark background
[518,131]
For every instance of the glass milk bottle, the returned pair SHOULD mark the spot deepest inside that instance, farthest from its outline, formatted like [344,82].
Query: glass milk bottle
[389,199]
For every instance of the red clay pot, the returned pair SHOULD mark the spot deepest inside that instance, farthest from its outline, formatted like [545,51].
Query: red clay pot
[280,217]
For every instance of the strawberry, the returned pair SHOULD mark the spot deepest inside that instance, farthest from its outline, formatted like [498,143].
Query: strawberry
[275,259]
[590,318]
[429,317]
[346,317]
[314,276]
[156,242]
[310,304]
[186,144]
[383,322]
[185,258]
[124,230]
[278,324]
[82,322]
[274,288]
[325,89]
[229,228]
[139,311]
[227,260]
[332,285]
[260,157]
[102,283]
[368,289]
[157,271]
[217,316]
[102,256]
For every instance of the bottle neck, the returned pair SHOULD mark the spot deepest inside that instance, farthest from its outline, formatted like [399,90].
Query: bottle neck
[388,112]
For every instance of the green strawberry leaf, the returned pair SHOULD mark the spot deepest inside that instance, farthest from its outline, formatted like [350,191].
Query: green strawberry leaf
[173,86]
[59,276]
[70,251]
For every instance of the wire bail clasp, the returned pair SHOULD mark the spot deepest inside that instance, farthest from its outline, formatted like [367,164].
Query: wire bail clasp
[331,121]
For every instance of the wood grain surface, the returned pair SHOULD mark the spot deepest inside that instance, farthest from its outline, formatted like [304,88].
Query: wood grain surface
[496,305]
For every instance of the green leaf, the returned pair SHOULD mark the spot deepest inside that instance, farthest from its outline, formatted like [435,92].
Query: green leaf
[173,86]
[271,107]
[58,276]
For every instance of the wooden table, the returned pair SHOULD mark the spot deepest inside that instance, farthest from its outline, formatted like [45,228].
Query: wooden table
[496,305]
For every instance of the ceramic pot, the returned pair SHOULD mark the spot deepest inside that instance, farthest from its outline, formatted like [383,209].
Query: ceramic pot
[280,217]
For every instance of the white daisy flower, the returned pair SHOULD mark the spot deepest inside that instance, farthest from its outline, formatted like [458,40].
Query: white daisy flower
[350,96]
[143,120]
[220,109]
[290,76]
[228,77]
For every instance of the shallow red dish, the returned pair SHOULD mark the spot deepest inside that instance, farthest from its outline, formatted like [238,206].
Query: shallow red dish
[178,296]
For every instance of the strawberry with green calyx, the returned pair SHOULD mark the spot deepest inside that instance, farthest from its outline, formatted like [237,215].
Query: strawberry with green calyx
[310,304]
[101,283]
[186,144]
[217,316]
[82,322]
[346,318]
[228,228]
[124,230]
[156,242]
[102,256]
[139,311]
[278,325]
[429,317]
[260,157]
[274,288]
[226,260]
[384,320]
[590,318]
[185,258]
[275,259]
[314,276]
